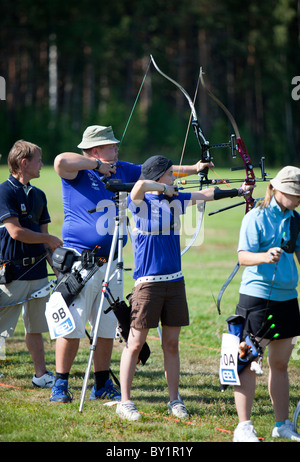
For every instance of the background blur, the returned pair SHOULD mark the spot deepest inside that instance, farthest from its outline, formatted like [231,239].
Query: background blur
[71,64]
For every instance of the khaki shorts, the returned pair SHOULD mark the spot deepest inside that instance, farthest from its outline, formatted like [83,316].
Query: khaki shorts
[86,306]
[33,310]
[154,301]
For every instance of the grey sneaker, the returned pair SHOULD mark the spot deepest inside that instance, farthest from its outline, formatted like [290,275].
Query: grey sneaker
[178,409]
[45,381]
[128,411]
[286,431]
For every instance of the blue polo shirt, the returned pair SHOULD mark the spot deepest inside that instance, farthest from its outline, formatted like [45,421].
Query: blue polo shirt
[29,205]
[83,230]
[261,229]
[156,243]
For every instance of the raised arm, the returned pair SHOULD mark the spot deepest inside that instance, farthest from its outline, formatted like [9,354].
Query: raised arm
[143,186]
[68,164]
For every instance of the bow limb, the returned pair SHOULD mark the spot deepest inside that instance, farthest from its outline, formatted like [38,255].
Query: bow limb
[225,285]
[250,176]
[201,211]
[204,145]
[178,174]
[40,293]
[198,132]
[241,147]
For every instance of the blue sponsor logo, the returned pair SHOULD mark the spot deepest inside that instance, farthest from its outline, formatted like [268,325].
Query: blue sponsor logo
[63,329]
[228,376]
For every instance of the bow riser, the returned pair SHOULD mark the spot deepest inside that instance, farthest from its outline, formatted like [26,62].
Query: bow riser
[250,176]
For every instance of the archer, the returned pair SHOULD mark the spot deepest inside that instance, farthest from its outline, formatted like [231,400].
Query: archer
[159,292]
[269,236]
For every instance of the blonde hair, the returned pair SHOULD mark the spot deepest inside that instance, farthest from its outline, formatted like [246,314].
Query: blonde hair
[21,150]
[268,196]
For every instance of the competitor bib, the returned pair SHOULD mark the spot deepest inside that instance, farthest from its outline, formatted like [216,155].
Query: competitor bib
[59,318]
[229,360]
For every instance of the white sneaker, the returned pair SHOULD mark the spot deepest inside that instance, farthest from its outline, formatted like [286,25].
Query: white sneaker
[45,381]
[286,431]
[127,410]
[245,433]
[178,409]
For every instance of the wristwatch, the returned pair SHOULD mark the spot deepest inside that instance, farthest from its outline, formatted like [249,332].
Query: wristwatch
[165,189]
[99,163]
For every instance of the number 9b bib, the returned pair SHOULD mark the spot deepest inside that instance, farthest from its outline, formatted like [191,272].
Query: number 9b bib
[59,318]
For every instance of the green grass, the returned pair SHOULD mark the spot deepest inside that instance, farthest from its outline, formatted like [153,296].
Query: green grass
[27,415]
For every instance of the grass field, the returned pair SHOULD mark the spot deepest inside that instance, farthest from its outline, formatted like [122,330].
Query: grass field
[26,415]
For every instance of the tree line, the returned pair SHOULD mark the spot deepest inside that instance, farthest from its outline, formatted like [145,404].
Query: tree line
[71,64]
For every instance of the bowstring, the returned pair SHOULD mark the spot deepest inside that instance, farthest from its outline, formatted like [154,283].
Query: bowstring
[181,160]
[177,174]
[134,104]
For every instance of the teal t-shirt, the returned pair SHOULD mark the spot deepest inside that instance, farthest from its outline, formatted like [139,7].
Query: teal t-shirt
[261,229]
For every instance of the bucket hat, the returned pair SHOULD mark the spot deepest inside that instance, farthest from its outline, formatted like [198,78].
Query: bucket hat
[287,181]
[97,135]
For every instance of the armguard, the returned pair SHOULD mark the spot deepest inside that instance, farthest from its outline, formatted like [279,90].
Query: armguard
[223,193]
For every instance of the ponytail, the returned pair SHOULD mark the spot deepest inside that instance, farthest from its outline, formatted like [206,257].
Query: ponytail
[268,196]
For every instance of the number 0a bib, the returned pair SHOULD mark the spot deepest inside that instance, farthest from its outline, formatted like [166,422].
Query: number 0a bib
[228,372]
[59,318]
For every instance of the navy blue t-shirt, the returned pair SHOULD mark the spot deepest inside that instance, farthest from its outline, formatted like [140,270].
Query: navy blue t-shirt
[83,230]
[29,205]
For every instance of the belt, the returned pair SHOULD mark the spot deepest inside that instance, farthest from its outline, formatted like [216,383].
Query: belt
[159,278]
[27,261]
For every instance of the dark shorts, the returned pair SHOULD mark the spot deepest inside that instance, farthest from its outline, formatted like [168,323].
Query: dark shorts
[154,301]
[285,316]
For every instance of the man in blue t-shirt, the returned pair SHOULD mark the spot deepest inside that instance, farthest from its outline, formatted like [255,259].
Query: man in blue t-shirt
[82,190]
[24,244]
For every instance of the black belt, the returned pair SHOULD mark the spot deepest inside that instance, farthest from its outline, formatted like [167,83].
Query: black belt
[27,261]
